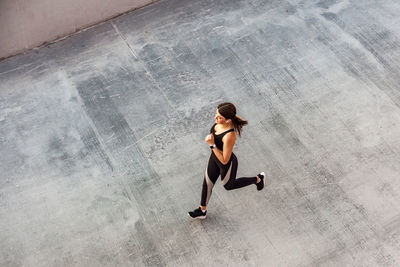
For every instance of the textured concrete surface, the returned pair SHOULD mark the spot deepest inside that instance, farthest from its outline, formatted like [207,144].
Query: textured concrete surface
[102,138]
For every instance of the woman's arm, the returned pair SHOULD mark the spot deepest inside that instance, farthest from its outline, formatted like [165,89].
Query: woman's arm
[225,155]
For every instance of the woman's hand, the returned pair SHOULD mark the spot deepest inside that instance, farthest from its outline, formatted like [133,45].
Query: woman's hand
[210,139]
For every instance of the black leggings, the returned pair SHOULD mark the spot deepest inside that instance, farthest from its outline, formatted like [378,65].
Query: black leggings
[228,176]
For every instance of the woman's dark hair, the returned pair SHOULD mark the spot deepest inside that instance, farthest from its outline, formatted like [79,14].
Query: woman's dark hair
[228,110]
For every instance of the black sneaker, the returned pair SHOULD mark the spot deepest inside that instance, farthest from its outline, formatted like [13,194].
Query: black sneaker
[197,214]
[260,185]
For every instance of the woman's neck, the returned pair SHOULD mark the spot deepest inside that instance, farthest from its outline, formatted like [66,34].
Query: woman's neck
[226,126]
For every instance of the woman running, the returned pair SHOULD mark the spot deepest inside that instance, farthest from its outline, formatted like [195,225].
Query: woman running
[222,161]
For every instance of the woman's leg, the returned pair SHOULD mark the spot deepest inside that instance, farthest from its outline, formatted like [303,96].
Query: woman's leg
[228,176]
[210,177]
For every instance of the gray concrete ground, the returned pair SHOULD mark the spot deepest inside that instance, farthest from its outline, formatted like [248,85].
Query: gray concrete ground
[102,138]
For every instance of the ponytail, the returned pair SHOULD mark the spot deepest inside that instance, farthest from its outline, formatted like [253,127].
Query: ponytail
[238,123]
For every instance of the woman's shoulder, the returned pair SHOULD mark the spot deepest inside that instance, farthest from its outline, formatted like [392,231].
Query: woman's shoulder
[229,136]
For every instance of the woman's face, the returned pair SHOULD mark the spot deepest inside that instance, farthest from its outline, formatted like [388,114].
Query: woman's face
[219,119]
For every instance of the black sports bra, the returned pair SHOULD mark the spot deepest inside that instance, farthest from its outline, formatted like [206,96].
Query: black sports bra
[218,137]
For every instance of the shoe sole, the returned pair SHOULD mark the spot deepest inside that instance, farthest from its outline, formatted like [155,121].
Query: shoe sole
[264,177]
[198,217]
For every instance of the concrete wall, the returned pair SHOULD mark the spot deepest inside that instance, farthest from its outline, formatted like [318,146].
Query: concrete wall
[25,24]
